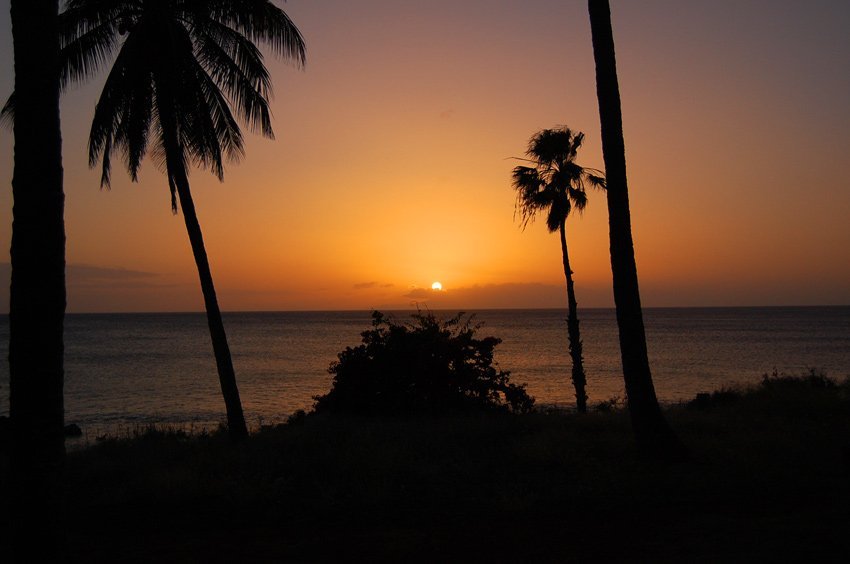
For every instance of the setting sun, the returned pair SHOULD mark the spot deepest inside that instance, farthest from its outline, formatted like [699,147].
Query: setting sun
[436,286]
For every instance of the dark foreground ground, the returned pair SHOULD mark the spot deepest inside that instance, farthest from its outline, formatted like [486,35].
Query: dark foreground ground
[769,481]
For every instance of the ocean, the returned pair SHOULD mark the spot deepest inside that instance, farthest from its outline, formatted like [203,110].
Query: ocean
[123,370]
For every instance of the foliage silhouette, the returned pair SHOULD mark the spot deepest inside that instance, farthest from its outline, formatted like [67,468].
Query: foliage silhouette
[786,390]
[654,436]
[555,185]
[183,69]
[428,366]
[37,300]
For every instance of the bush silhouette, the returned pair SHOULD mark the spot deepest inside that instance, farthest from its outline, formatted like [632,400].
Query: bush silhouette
[430,365]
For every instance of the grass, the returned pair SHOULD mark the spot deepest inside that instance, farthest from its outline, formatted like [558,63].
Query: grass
[768,481]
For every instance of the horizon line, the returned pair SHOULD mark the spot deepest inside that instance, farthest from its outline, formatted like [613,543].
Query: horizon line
[464,310]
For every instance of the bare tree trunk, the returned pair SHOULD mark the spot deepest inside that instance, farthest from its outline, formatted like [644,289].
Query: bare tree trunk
[579,378]
[652,432]
[37,304]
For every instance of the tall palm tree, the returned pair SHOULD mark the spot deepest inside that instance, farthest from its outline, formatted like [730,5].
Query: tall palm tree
[182,70]
[555,185]
[653,434]
[37,301]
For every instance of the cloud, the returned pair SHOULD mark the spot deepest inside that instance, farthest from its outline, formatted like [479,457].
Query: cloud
[508,295]
[367,285]
[101,288]
[85,274]
[419,294]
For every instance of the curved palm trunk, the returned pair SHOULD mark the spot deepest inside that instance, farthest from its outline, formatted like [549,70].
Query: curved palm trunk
[579,378]
[224,363]
[37,304]
[653,434]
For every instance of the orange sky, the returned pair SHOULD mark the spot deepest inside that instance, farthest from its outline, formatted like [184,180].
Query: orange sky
[390,169]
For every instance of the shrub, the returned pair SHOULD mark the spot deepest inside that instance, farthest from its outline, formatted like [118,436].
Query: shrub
[430,365]
[776,387]
[813,379]
[613,403]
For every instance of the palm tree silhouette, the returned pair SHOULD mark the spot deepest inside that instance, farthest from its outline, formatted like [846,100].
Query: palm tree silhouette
[654,436]
[555,185]
[37,293]
[183,69]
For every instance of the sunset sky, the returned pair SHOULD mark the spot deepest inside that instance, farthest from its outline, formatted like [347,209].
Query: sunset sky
[391,167]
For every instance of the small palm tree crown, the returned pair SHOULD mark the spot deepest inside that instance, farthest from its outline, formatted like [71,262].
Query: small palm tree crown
[183,65]
[555,183]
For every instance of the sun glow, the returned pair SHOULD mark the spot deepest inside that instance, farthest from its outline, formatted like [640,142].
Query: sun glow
[436,286]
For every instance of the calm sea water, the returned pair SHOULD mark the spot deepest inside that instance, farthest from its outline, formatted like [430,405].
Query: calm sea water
[126,369]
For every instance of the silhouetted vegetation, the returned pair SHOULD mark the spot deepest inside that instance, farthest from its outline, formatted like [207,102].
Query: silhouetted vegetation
[768,482]
[555,185]
[431,365]
[182,69]
[778,389]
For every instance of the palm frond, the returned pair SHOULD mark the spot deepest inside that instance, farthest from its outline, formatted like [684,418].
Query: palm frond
[575,143]
[555,184]
[237,68]
[578,197]
[527,183]
[525,177]
[224,126]
[86,56]
[197,129]
[81,16]
[190,105]
[550,146]
[557,214]
[106,169]
[172,188]
[107,112]
[261,21]
[136,123]
[7,114]
[596,181]
[123,114]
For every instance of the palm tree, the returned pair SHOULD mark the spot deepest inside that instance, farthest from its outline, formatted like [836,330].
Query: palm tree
[183,69]
[37,302]
[555,184]
[653,434]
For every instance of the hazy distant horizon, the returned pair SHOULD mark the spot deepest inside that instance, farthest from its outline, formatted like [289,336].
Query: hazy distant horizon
[424,308]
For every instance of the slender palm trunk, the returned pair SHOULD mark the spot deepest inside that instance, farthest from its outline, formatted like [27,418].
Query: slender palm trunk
[37,304]
[224,363]
[653,434]
[579,378]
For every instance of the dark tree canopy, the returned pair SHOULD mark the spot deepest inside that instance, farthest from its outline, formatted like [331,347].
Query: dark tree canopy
[431,365]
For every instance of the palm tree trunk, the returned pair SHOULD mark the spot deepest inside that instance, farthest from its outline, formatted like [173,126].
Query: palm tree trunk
[37,302]
[654,436]
[224,362]
[579,378]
